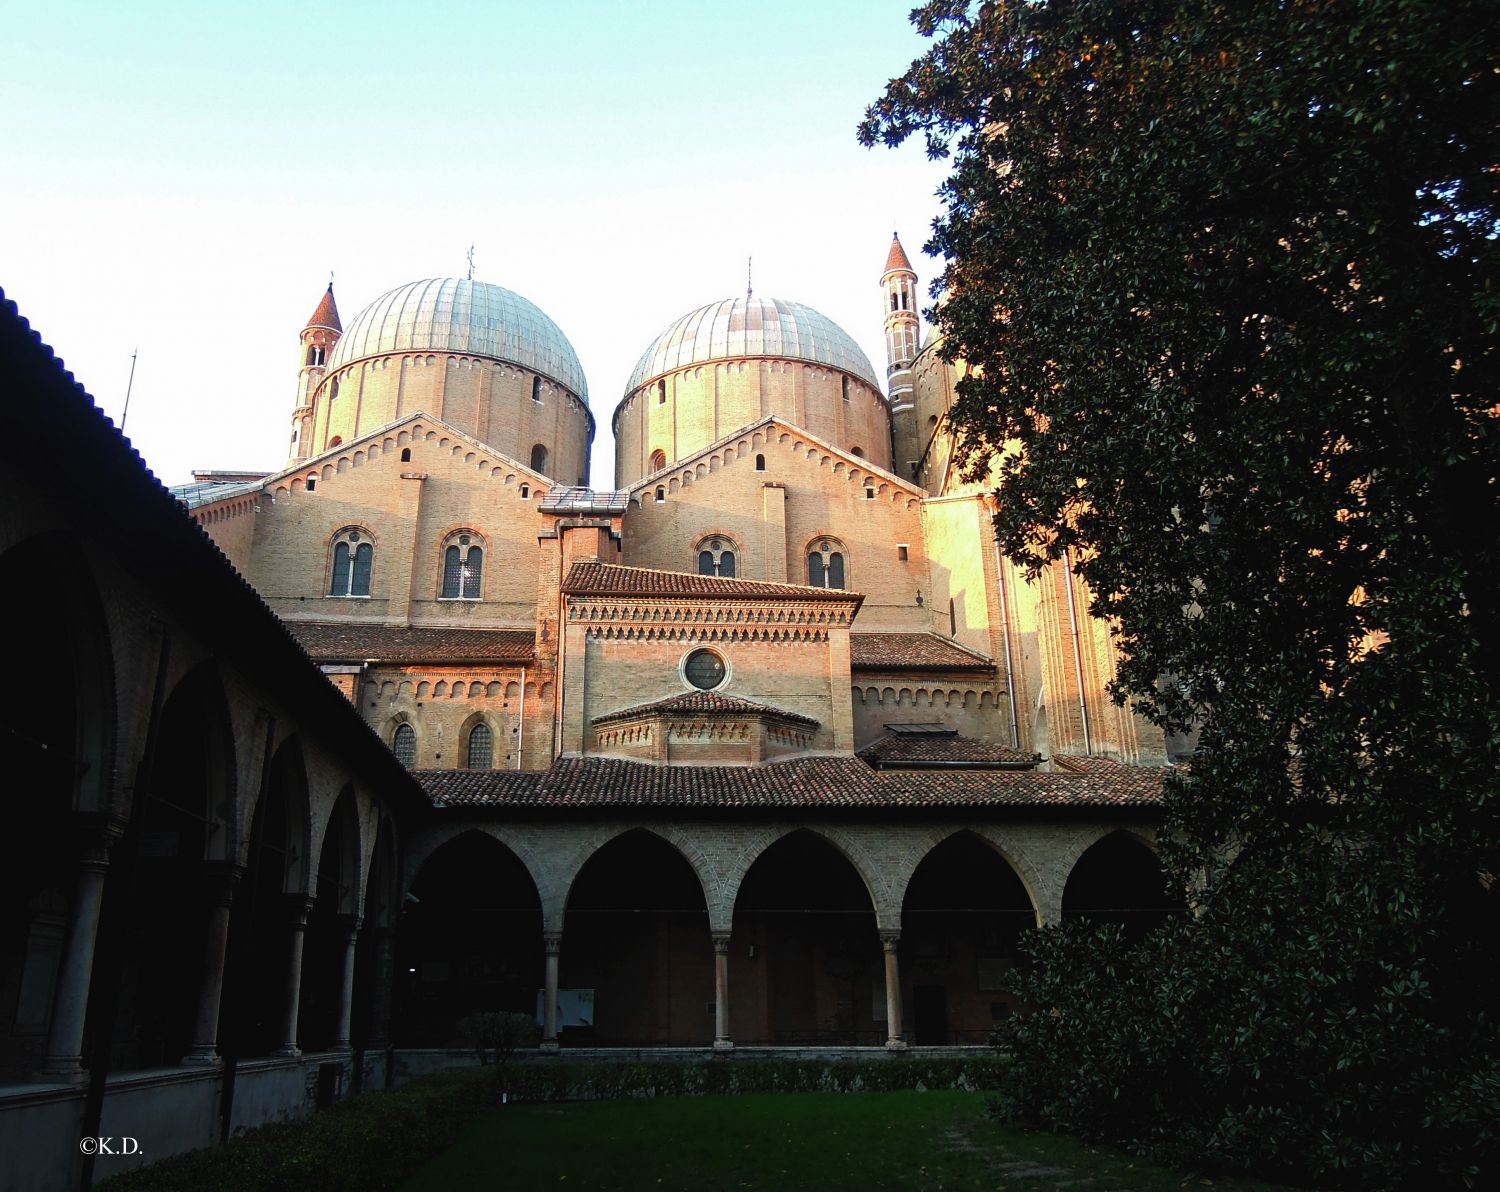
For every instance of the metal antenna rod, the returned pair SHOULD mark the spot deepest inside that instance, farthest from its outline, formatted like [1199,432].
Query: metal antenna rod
[129,385]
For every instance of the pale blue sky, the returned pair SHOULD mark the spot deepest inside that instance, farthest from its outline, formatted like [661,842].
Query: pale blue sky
[182,177]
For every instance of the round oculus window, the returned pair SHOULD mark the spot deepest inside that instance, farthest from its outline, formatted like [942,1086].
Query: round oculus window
[704,669]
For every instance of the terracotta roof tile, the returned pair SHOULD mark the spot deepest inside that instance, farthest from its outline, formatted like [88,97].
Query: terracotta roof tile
[813,783]
[592,578]
[384,643]
[327,314]
[912,651]
[896,258]
[703,703]
[894,752]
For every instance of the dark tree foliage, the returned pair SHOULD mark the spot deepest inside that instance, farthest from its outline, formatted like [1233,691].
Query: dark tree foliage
[1225,275]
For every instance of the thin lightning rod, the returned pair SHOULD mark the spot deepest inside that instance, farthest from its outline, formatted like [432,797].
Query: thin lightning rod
[129,385]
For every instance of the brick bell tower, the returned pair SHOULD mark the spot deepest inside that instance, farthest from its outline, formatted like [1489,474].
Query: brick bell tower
[317,342]
[903,334]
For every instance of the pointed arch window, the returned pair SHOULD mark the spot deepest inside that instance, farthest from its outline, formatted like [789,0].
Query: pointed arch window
[404,745]
[716,556]
[658,460]
[315,356]
[481,751]
[463,566]
[353,563]
[825,563]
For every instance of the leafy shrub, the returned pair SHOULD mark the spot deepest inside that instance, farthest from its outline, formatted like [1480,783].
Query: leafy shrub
[1274,1032]
[496,1034]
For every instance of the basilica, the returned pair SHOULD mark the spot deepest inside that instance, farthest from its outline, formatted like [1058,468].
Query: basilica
[762,744]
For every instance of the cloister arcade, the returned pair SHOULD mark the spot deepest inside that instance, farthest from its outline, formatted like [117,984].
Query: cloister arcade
[693,932]
[159,906]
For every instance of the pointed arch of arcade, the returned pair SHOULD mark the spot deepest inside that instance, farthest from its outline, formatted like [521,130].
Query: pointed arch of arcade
[885,901]
[964,911]
[172,936]
[804,953]
[1118,878]
[468,935]
[637,959]
[58,723]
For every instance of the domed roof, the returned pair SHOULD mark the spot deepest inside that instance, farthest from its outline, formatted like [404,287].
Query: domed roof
[752,327]
[455,314]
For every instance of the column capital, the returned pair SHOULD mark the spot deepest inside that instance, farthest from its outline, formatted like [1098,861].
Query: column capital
[96,834]
[298,907]
[552,942]
[721,943]
[221,878]
[889,938]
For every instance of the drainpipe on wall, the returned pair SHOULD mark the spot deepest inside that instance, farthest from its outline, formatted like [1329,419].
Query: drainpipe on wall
[1083,703]
[1010,666]
[521,729]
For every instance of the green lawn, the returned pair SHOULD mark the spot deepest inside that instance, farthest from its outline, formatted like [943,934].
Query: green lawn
[865,1141]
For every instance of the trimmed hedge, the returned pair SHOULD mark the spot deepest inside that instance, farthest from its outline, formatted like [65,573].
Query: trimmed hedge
[377,1139]
[560,1080]
[374,1140]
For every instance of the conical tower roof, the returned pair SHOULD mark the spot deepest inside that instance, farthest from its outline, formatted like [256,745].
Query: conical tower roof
[896,258]
[327,314]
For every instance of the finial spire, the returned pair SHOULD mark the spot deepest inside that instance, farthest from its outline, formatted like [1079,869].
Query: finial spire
[471,262]
[749,289]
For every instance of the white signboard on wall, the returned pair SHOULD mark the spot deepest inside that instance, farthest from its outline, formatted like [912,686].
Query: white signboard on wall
[575,1007]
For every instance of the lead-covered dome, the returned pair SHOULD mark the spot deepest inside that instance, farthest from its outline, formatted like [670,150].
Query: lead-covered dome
[752,327]
[456,314]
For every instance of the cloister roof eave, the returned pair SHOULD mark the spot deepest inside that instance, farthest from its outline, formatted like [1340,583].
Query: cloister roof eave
[177,559]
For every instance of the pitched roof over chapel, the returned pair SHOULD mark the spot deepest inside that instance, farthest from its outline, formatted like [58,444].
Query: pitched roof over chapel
[593,578]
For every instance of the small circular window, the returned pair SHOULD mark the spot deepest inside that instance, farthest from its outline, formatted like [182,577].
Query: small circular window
[704,669]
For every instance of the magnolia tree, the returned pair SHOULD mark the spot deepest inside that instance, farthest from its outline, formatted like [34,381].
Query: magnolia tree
[1225,277]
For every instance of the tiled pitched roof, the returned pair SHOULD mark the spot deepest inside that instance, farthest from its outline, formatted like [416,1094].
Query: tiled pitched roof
[810,783]
[896,258]
[703,703]
[384,643]
[592,578]
[912,651]
[895,751]
[327,314]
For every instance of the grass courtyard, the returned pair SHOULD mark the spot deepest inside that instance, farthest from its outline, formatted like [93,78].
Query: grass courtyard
[866,1141]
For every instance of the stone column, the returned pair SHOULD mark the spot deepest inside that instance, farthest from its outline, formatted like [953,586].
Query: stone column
[221,879]
[552,941]
[70,1000]
[299,908]
[894,1039]
[350,925]
[383,941]
[722,1042]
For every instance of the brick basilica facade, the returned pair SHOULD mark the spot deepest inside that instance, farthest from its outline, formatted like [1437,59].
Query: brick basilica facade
[767,745]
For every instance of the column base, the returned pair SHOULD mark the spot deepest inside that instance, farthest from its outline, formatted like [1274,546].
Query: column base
[291,1051]
[202,1057]
[896,1045]
[64,1069]
[548,1047]
[723,1046]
